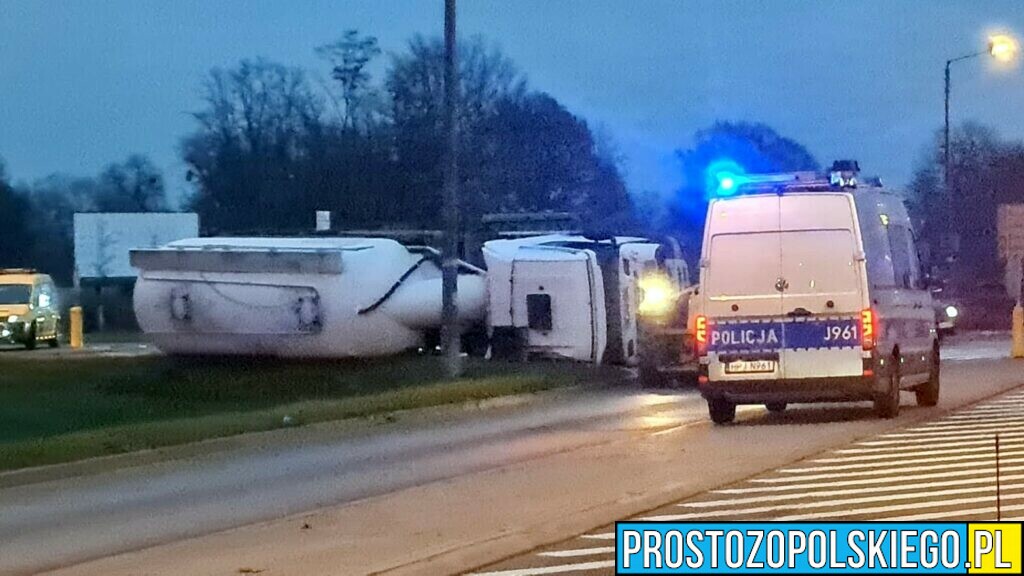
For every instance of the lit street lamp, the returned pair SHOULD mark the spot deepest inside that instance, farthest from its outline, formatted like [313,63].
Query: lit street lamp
[1002,47]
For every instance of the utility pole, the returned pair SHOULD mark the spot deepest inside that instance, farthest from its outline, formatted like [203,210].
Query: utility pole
[450,336]
[945,146]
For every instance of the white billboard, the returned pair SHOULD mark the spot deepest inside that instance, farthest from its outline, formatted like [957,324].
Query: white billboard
[103,240]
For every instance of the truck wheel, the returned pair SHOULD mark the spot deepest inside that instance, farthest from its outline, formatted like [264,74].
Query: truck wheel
[775,406]
[928,393]
[721,411]
[887,402]
[30,337]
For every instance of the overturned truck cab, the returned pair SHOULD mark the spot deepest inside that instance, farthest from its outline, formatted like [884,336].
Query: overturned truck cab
[579,297]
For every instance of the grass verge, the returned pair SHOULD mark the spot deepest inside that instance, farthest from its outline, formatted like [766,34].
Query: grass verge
[53,412]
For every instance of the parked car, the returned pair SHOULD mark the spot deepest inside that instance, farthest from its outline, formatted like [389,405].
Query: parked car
[28,308]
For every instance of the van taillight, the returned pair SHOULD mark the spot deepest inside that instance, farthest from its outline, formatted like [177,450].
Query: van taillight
[701,333]
[867,328]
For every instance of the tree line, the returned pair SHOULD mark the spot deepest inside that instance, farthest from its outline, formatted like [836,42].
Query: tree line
[958,223]
[273,143]
[272,147]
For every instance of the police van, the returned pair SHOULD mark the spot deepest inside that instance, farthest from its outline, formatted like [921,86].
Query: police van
[810,291]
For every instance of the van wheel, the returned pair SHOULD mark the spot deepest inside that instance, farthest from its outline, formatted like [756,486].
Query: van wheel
[887,403]
[928,393]
[30,337]
[721,411]
[776,406]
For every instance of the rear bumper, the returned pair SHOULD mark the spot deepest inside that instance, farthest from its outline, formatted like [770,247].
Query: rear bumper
[845,389]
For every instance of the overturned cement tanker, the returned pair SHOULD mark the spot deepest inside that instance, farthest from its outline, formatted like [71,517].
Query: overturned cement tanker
[295,297]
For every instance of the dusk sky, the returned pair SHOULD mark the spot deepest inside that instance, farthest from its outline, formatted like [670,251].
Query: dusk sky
[87,82]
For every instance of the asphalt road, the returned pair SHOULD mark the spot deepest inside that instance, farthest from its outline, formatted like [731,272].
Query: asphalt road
[943,469]
[590,454]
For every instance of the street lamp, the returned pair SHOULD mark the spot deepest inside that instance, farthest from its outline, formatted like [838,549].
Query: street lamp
[1002,47]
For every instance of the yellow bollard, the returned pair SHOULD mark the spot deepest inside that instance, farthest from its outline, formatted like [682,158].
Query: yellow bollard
[1018,331]
[76,326]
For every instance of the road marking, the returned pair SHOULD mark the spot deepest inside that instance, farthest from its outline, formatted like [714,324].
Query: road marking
[925,440]
[897,487]
[984,414]
[956,422]
[945,433]
[905,462]
[893,508]
[981,411]
[575,552]
[840,503]
[859,481]
[970,453]
[561,569]
[602,536]
[971,427]
[899,448]
[891,470]
[875,472]
[955,513]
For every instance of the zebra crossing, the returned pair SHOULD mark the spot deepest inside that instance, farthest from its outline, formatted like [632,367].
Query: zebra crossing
[939,470]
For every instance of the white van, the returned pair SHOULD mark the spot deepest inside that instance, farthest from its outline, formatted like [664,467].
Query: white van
[811,292]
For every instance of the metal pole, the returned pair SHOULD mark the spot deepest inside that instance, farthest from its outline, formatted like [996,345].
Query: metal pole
[945,146]
[999,504]
[450,337]
[945,132]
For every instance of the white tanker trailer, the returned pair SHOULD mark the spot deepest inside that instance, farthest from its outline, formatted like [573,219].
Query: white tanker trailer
[295,297]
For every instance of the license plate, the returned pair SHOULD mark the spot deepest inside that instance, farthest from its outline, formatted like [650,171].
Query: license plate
[750,366]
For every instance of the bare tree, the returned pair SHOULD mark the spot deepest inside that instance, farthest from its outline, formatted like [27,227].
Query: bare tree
[258,105]
[256,130]
[349,57]
[415,82]
[135,185]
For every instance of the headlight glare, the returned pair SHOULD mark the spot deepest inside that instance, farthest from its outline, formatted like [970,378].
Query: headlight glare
[656,295]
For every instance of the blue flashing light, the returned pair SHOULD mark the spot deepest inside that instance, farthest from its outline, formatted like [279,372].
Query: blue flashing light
[724,177]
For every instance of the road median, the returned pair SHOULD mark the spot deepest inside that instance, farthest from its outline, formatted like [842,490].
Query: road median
[53,412]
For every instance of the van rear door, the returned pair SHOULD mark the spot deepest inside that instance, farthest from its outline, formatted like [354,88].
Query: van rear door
[742,289]
[822,269]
